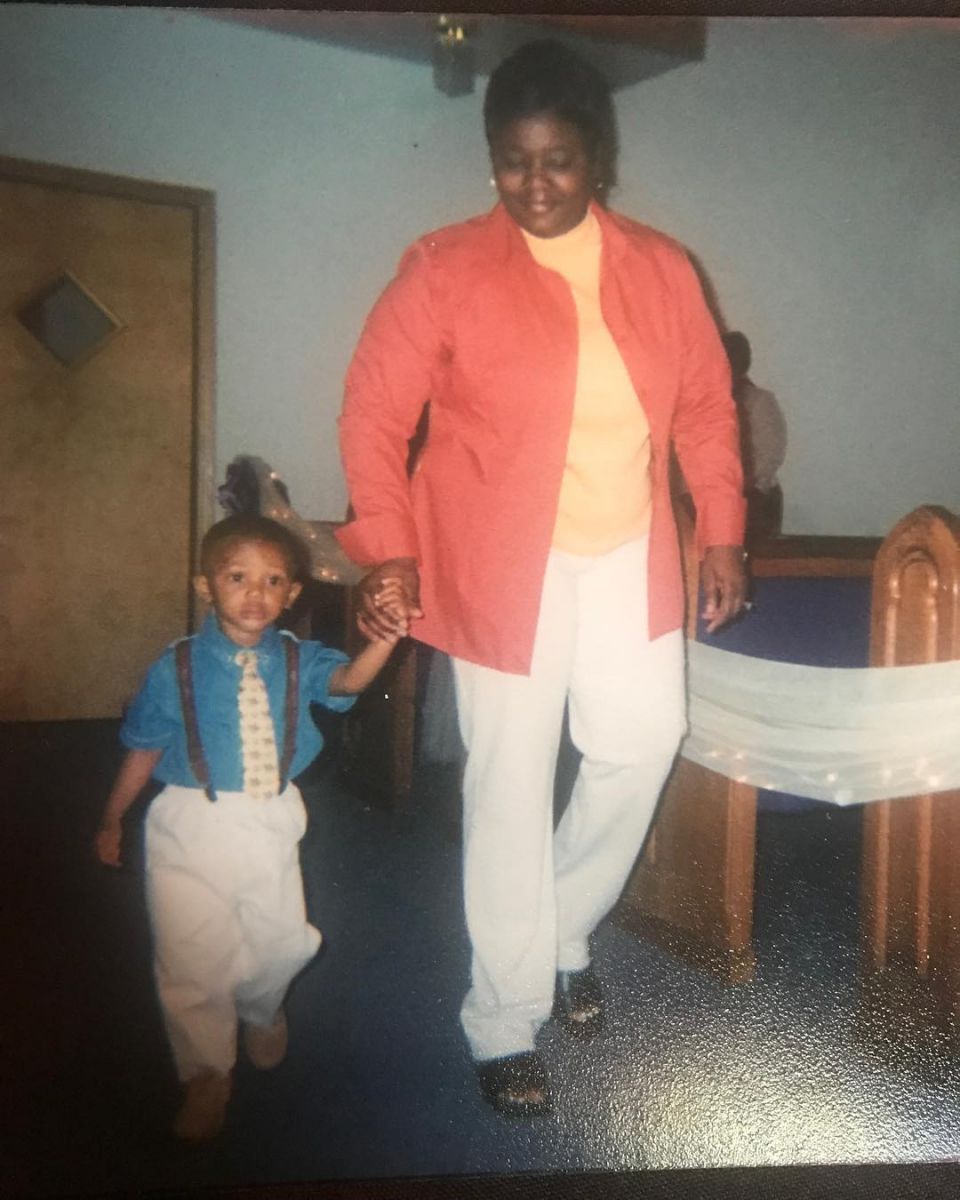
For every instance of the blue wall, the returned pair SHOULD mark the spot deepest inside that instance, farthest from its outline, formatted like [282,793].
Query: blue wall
[811,165]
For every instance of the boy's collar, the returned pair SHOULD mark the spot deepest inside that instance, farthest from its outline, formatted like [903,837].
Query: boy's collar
[213,637]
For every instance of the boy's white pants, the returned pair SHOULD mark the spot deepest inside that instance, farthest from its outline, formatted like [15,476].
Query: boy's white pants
[533,897]
[225,897]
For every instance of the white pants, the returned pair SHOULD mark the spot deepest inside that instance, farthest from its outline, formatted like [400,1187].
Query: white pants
[533,897]
[225,897]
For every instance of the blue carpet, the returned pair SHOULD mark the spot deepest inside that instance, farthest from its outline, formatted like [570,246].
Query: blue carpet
[378,1083]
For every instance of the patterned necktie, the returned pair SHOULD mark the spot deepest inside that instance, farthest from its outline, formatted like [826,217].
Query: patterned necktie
[258,746]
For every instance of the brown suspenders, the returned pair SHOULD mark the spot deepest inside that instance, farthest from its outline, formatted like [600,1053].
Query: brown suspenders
[291,714]
[198,760]
[291,708]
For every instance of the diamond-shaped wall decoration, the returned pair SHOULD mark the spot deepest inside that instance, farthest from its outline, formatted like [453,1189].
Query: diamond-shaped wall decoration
[68,321]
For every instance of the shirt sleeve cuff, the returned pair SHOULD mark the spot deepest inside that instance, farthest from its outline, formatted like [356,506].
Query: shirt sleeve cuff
[372,540]
[720,522]
[130,740]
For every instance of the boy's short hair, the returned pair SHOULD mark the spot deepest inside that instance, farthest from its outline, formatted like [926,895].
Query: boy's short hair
[249,527]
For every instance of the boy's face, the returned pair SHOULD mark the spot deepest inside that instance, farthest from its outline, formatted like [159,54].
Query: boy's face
[249,588]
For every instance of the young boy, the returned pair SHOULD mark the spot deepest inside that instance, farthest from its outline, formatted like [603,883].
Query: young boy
[223,720]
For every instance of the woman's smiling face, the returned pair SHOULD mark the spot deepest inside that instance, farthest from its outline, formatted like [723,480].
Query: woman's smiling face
[543,174]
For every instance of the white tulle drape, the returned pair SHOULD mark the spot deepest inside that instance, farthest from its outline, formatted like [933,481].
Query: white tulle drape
[845,735]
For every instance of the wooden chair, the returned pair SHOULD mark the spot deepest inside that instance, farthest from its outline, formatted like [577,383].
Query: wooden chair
[378,734]
[692,887]
[692,890]
[910,879]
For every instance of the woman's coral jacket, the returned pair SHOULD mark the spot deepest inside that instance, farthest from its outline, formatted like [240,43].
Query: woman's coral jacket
[472,324]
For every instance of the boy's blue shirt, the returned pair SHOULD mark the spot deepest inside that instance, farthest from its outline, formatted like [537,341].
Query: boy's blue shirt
[154,720]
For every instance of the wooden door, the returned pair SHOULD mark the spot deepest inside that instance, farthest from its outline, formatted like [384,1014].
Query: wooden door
[692,888]
[105,413]
[910,882]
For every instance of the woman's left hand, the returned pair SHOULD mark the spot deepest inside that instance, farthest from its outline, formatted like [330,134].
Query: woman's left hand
[724,583]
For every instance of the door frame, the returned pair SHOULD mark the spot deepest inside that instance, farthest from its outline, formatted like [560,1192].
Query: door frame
[202,206]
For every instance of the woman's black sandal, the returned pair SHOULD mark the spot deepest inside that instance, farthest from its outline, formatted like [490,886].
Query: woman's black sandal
[578,1002]
[516,1085]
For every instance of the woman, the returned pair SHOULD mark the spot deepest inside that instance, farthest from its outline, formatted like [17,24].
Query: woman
[562,348]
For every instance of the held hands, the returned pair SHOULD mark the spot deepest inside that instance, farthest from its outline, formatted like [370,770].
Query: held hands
[107,844]
[724,584]
[389,600]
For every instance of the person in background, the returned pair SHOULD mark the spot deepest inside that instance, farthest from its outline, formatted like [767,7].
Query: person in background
[763,441]
[562,349]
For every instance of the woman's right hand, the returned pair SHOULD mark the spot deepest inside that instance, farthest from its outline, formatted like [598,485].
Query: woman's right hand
[377,618]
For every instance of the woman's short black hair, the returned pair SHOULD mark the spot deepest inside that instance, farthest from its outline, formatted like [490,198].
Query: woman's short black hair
[547,76]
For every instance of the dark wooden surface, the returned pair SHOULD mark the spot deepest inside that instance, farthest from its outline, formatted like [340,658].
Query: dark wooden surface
[910,883]
[799,555]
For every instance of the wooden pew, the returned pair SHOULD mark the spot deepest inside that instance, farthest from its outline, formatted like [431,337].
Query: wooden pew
[379,732]
[692,889]
[384,722]
[910,878]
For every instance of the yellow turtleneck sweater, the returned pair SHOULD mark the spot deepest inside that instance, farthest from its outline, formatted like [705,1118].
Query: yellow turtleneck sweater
[605,494]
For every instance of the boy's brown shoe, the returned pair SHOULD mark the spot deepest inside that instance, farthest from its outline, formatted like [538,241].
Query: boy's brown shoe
[204,1107]
[266,1047]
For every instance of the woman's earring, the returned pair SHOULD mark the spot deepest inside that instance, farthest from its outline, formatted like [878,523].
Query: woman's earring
[493,182]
